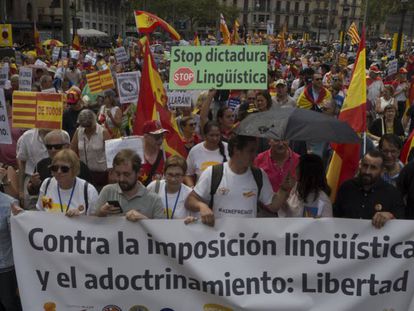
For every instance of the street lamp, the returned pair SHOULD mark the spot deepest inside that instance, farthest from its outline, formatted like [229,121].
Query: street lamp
[319,28]
[400,30]
[345,11]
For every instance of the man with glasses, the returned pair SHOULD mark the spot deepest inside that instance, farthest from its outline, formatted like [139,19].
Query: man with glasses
[315,95]
[153,165]
[390,145]
[55,141]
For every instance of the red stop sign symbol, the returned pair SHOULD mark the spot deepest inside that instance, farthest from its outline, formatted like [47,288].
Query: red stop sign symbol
[183,76]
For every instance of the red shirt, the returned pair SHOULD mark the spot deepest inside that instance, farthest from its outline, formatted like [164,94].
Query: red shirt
[145,177]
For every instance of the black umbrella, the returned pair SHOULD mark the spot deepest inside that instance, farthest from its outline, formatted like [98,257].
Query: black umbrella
[297,124]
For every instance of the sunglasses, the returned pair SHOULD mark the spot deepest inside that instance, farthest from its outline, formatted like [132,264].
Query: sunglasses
[56,146]
[63,168]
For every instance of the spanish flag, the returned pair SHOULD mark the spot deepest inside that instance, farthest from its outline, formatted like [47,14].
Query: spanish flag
[405,151]
[224,31]
[119,41]
[235,38]
[345,159]
[38,44]
[196,40]
[147,23]
[152,102]
[76,43]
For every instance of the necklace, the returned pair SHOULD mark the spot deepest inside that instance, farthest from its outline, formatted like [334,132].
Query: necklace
[70,198]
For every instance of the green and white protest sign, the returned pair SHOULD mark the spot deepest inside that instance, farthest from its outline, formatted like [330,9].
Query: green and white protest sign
[218,67]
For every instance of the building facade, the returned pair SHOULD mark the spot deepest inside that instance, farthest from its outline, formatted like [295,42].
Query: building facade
[323,18]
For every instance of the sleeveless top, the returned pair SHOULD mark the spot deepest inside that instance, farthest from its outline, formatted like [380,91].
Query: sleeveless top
[92,151]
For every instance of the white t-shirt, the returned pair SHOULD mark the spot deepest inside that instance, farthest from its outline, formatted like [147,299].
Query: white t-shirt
[180,211]
[295,207]
[30,148]
[236,194]
[50,201]
[201,158]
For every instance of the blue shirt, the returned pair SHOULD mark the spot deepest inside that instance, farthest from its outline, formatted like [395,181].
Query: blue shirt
[6,251]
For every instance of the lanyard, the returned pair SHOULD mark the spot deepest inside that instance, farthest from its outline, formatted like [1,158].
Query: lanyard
[70,198]
[175,204]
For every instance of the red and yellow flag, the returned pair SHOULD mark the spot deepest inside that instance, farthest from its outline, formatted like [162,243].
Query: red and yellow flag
[119,41]
[76,43]
[100,81]
[152,102]
[235,38]
[224,31]
[38,44]
[37,110]
[345,159]
[196,40]
[147,22]
[353,34]
[405,151]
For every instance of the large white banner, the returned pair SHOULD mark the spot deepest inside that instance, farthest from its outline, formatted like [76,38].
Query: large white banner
[90,263]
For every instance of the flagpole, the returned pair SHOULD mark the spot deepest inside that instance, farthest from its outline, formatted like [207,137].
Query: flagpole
[163,140]
[364,145]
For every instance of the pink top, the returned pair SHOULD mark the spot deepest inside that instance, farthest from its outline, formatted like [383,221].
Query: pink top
[275,172]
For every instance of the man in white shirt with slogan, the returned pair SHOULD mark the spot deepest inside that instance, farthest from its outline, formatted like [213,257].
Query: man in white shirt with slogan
[232,189]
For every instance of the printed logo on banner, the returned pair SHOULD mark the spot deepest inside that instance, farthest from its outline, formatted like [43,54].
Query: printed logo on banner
[183,76]
[128,86]
[215,307]
[111,308]
[49,306]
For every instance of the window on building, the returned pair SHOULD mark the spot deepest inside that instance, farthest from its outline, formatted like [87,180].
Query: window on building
[277,20]
[295,21]
[287,20]
[87,24]
[278,5]
[287,6]
[234,2]
[254,18]
[100,27]
[262,18]
[94,25]
[87,6]
[296,7]
[306,7]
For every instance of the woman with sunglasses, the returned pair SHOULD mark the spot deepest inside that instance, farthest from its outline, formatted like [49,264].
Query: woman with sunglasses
[64,192]
[190,137]
[210,152]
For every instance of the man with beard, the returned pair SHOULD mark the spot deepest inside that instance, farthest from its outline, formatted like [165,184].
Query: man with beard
[128,196]
[368,196]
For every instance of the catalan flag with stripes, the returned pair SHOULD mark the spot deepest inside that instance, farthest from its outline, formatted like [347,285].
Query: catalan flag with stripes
[37,110]
[353,34]
[100,81]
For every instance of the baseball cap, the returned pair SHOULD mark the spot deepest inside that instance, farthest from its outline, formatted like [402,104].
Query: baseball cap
[73,95]
[374,69]
[153,127]
[280,81]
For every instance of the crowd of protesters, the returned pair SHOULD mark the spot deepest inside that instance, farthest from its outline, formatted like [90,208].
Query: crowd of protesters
[65,171]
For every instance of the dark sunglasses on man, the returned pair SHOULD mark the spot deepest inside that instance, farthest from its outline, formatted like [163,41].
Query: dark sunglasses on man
[55,146]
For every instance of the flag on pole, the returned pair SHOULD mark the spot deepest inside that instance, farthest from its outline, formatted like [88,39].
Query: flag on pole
[152,102]
[345,159]
[353,34]
[224,31]
[235,38]
[76,43]
[405,151]
[38,44]
[196,40]
[147,23]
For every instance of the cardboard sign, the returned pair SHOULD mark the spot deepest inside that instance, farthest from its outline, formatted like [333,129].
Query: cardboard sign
[37,110]
[25,79]
[218,67]
[4,76]
[392,67]
[5,133]
[91,58]
[64,54]
[112,146]
[343,61]
[55,53]
[100,81]
[39,63]
[128,86]
[177,99]
[121,55]
[74,54]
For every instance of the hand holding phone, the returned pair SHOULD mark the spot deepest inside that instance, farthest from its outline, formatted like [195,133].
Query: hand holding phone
[114,207]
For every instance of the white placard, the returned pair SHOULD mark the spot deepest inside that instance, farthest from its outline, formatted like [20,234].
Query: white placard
[270,27]
[64,55]
[278,264]
[392,67]
[91,58]
[5,134]
[128,86]
[177,99]
[74,54]
[4,76]
[25,79]
[40,63]
[49,90]
[121,55]
[19,61]
[55,53]
[113,146]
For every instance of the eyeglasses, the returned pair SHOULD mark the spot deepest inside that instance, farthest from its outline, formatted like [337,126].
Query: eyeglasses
[191,124]
[176,176]
[386,151]
[63,168]
[55,146]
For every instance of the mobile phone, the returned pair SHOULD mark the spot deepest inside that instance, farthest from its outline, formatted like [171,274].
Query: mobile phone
[116,204]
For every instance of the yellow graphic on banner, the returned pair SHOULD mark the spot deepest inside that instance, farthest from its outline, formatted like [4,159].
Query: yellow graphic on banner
[49,111]
[6,38]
